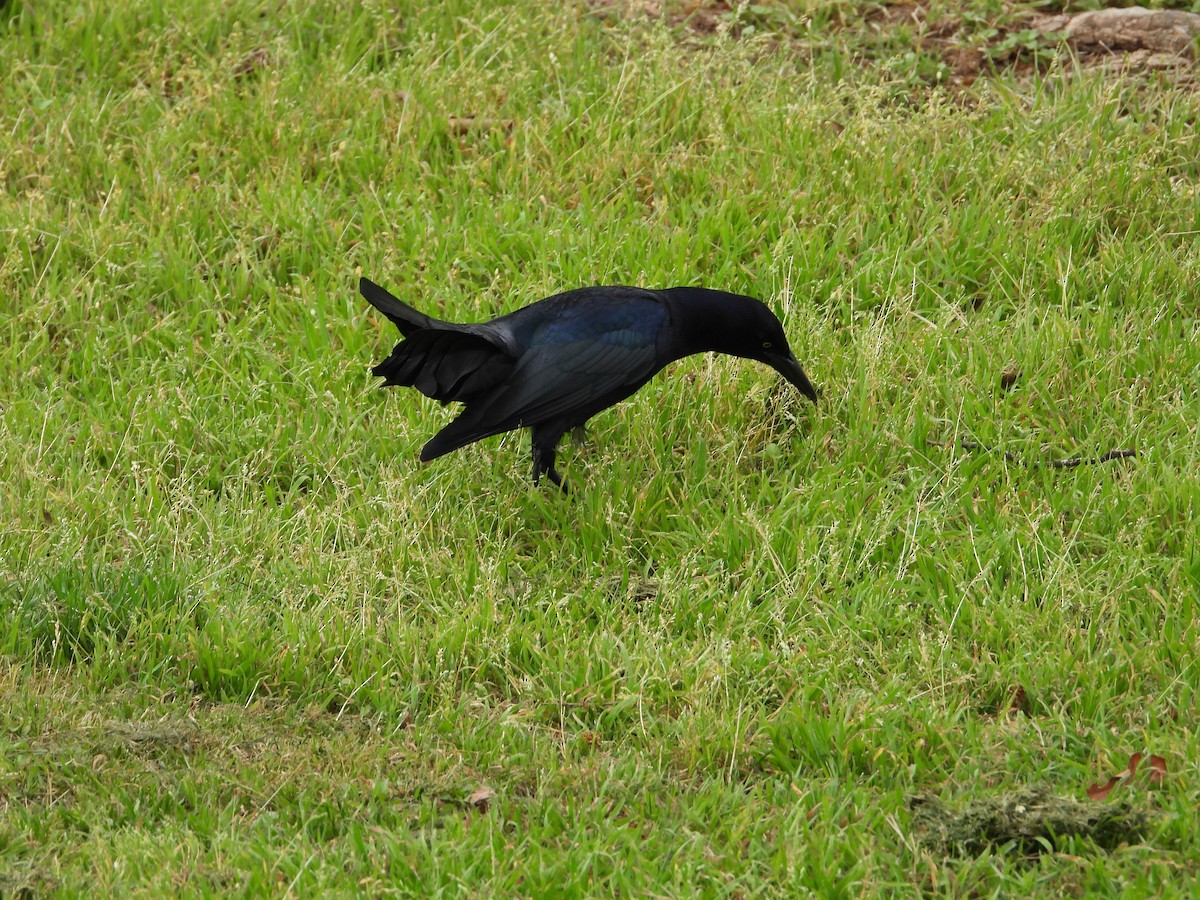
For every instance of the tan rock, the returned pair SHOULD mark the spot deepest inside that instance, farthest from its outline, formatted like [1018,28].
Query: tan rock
[1136,28]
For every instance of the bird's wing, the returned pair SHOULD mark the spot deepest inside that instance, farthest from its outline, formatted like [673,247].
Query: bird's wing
[558,379]
[568,379]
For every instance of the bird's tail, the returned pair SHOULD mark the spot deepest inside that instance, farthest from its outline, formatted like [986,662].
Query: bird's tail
[406,318]
[445,365]
[466,429]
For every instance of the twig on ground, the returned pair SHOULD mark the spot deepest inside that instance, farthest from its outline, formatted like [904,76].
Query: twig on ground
[1072,462]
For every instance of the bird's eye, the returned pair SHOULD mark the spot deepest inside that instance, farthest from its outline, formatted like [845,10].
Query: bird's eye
[766,345]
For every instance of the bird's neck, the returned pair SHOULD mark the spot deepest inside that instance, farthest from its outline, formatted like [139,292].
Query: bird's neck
[705,320]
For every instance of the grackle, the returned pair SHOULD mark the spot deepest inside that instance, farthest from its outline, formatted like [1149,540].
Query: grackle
[554,364]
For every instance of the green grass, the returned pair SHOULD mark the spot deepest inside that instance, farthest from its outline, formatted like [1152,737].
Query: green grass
[248,644]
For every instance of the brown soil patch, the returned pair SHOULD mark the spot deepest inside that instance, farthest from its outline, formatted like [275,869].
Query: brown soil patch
[958,48]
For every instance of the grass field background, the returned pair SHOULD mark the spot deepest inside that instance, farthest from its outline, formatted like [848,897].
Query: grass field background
[248,644]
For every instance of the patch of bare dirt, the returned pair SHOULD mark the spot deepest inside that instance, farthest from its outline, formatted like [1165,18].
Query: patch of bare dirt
[698,16]
[955,48]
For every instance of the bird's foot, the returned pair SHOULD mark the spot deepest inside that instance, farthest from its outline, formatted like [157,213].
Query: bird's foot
[561,482]
[543,463]
[555,477]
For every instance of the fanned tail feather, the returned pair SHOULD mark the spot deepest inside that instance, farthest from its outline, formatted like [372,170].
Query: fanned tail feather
[445,365]
[406,318]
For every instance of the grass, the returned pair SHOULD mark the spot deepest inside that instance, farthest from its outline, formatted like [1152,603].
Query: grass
[248,644]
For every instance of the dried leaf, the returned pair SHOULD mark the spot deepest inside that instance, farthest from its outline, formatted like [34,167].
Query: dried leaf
[1101,791]
[1009,377]
[1131,769]
[1019,702]
[1158,768]
[482,798]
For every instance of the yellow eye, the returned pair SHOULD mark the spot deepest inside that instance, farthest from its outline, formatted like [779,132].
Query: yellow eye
[766,345]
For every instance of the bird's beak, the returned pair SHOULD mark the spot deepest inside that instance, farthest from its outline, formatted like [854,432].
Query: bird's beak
[789,368]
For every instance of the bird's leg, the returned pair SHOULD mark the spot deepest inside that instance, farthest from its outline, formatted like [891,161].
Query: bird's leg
[537,466]
[544,453]
[579,435]
[543,461]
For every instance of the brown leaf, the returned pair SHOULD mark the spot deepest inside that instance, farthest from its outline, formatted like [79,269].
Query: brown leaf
[1158,768]
[1131,769]
[1019,702]
[1009,377]
[482,798]
[1101,791]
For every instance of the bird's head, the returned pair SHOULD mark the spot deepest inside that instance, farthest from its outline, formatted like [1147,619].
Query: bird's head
[764,340]
[740,326]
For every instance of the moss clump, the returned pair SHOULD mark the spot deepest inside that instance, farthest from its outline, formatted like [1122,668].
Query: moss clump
[1032,820]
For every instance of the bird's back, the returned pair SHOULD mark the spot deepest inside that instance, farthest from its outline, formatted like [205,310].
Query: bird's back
[583,311]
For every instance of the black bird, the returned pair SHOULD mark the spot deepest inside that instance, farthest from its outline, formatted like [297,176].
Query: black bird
[554,364]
